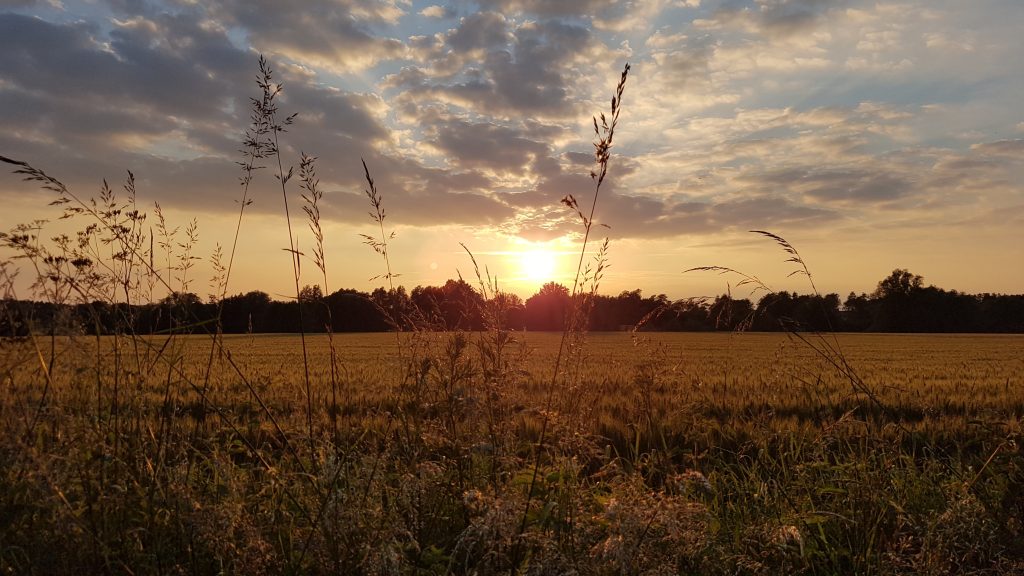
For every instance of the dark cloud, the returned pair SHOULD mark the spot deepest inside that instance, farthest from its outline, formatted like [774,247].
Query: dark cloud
[650,217]
[337,34]
[778,18]
[133,7]
[151,76]
[788,17]
[413,195]
[640,216]
[687,65]
[1013,148]
[68,92]
[576,8]
[862,186]
[481,31]
[525,75]
[334,113]
[620,214]
[485,145]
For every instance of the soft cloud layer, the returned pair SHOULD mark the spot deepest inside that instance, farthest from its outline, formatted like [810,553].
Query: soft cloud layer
[837,120]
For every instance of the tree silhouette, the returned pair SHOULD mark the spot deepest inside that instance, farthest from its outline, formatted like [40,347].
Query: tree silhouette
[900,303]
[898,299]
[546,309]
[900,284]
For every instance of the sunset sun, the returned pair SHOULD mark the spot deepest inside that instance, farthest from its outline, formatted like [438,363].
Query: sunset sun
[537,265]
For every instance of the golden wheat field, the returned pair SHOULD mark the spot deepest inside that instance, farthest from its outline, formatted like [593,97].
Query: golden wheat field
[451,453]
[937,376]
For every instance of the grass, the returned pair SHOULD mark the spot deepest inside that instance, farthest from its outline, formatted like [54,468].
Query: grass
[424,452]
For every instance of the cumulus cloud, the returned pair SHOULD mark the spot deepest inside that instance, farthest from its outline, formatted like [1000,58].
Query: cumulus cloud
[484,145]
[435,11]
[637,15]
[545,7]
[332,34]
[149,77]
[1011,148]
[775,18]
[492,66]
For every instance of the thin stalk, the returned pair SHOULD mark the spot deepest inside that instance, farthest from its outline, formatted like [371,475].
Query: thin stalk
[602,156]
[283,179]
[307,173]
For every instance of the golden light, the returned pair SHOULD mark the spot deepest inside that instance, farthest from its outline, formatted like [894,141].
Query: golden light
[537,265]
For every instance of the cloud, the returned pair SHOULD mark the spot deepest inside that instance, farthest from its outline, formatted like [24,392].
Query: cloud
[642,216]
[1010,148]
[686,65]
[150,77]
[489,66]
[332,34]
[547,8]
[633,15]
[484,145]
[481,31]
[435,11]
[165,96]
[775,18]
[863,186]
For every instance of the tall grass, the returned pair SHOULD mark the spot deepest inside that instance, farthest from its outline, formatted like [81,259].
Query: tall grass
[464,453]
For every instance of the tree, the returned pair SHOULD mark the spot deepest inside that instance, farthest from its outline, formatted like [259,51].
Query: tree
[507,310]
[243,313]
[461,306]
[900,283]
[858,312]
[898,302]
[426,301]
[729,314]
[311,293]
[315,311]
[546,309]
[354,311]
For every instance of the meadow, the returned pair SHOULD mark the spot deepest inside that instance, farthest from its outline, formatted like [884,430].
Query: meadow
[658,454]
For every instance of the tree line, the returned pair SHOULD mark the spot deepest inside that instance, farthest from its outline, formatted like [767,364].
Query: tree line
[901,303]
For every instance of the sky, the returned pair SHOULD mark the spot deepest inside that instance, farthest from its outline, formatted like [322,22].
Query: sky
[871,135]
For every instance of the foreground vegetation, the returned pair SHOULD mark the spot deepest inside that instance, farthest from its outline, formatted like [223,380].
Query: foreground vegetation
[704,454]
[423,451]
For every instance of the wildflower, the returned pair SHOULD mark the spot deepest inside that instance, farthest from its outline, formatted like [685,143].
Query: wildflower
[482,448]
[694,483]
[473,500]
[788,536]
[613,509]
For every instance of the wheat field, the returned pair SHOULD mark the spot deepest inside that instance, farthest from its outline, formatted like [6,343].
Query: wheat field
[665,453]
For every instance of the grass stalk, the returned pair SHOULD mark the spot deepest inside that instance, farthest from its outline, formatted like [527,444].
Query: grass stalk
[605,133]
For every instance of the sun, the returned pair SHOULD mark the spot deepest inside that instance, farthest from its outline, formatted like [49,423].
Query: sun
[537,265]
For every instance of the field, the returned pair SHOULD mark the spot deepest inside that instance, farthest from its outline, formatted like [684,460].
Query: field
[434,453]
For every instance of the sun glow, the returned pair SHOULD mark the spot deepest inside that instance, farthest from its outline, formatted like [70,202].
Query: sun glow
[537,265]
